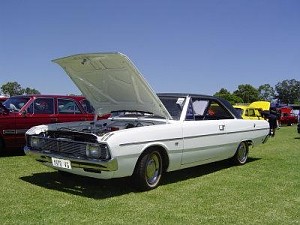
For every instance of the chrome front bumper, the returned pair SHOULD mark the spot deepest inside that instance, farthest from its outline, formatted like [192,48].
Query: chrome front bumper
[89,165]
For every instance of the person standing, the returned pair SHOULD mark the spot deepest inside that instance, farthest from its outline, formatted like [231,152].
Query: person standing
[272,119]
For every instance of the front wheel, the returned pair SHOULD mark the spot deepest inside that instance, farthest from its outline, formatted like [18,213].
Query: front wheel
[241,155]
[148,171]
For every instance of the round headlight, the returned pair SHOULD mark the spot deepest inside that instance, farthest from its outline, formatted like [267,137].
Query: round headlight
[34,142]
[93,151]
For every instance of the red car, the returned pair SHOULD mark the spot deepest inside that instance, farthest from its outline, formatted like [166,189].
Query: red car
[287,116]
[19,113]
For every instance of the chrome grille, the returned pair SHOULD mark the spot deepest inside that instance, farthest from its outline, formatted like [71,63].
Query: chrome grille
[62,146]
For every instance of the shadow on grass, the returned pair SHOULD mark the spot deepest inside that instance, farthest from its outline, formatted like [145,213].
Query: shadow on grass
[12,152]
[101,189]
[79,185]
[198,171]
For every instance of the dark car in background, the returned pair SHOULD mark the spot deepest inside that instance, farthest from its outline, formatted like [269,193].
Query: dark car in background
[19,113]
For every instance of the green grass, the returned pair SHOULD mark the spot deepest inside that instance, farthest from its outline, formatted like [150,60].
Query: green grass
[264,191]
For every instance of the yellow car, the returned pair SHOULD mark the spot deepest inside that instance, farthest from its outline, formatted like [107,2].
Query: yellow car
[253,111]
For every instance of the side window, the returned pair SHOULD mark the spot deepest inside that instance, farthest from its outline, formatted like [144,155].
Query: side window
[30,109]
[240,111]
[86,105]
[251,112]
[216,111]
[67,106]
[202,109]
[15,104]
[41,106]
[196,109]
[246,112]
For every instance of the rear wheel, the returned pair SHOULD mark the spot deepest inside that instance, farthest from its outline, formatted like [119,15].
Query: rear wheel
[241,155]
[148,171]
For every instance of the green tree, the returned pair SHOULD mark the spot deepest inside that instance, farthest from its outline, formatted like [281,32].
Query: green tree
[29,91]
[288,91]
[12,88]
[232,98]
[266,92]
[247,92]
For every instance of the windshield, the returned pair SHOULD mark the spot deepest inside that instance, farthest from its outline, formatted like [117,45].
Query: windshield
[14,104]
[174,105]
[87,106]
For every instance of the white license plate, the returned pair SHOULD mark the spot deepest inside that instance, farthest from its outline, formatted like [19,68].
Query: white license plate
[61,163]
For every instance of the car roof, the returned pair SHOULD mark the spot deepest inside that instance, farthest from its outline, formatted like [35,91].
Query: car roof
[184,95]
[209,97]
[78,97]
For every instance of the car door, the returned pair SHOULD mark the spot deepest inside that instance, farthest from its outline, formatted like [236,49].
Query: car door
[68,110]
[39,111]
[7,127]
[204,132]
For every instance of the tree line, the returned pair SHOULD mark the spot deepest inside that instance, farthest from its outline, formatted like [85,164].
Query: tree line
[286,92]
[14,88]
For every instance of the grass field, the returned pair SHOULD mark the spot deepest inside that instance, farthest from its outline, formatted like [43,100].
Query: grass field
[264,191]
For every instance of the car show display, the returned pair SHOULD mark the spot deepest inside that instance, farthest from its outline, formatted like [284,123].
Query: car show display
[147,134]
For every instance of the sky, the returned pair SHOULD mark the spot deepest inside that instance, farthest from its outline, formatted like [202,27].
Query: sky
[194,46]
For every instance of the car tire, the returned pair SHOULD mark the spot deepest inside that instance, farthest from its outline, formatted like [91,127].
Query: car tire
[148,171]
[241,155]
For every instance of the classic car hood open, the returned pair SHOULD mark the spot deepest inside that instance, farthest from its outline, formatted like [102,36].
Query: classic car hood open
[264,105]
[111,82]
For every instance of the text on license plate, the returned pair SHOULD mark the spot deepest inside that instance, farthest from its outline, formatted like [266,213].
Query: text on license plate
[62,163]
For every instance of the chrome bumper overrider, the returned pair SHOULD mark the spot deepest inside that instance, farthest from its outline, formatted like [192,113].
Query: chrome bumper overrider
[86,164]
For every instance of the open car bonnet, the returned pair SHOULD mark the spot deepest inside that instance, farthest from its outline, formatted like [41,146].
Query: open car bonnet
[111,82]
[264,105]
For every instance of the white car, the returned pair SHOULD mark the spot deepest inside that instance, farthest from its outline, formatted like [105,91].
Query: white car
[147,134]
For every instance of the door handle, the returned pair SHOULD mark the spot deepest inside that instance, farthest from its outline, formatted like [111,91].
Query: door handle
[222,127]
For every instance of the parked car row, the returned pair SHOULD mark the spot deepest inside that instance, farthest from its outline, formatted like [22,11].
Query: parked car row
[19,113]
[255,110]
